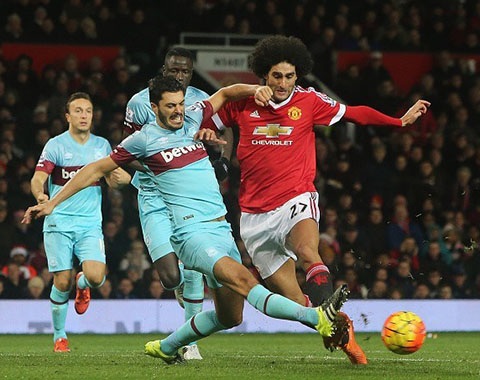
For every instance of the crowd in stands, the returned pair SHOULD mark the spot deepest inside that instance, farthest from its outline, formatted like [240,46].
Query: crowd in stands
[400,208]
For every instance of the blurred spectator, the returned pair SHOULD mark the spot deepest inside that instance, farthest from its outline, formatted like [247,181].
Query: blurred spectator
[401,227]
[445,292]
[15,284]
[379,290]
[35,288]
[422,292]
[155,290]
[18,256]
[125,289]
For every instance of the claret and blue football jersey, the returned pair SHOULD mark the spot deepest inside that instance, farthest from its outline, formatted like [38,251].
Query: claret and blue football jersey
[62,158]
[179,166]
[139,113]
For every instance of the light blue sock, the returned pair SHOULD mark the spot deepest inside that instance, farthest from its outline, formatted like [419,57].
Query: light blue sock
[59,307]
[199,326]
[193,292]
[83,282]
[277,306]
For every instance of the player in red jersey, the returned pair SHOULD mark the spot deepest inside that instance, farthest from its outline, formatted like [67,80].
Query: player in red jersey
[276,152]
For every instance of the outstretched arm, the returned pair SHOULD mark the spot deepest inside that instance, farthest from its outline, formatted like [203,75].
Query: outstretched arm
[87,176]
[364,115]
[239,91]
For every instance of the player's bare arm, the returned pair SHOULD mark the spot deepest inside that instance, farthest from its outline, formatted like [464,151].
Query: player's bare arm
[239,91]
[118,178]
[37,184]
[87,176]
[227,148]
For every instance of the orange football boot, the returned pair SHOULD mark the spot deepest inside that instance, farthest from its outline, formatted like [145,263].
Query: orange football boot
[61,345]
[82,299]
[351,348]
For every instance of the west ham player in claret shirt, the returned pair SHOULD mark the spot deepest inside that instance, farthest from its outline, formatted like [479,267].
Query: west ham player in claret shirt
[276,152]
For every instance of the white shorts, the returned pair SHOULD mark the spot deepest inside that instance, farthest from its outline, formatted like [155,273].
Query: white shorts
[265,234]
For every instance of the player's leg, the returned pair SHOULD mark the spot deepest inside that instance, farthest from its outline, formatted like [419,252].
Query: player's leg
[211,250]
[275,239]
[157,229]
[90,251]
[193,294]
[227,314]
[303,240]
[59,251]
[284,282]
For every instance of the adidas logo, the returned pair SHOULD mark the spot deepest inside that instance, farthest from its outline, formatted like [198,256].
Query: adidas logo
[255,114]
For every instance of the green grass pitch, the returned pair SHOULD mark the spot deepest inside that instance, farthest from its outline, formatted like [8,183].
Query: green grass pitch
[233,356]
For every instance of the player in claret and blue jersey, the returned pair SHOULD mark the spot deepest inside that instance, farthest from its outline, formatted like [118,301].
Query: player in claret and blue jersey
[172,155]
[76,226]
[154,218]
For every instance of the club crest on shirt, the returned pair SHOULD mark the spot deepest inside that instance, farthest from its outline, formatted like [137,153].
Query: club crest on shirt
[294,113]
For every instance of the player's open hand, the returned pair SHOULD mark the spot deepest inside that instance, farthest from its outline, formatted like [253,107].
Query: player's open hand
[42,198]
[418,109]
[262,95]
[36,212]
[208,136]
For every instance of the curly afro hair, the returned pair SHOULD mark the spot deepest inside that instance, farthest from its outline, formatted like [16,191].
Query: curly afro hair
[273,50]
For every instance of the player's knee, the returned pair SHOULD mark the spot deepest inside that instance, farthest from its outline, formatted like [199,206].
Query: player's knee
[244,280]
[169,279]
[63,284]
[231,321]
[95,279]
[306,252]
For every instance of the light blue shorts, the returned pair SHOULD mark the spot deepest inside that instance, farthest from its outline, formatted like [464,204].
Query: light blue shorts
[156,226]
[61,246]
[200,245]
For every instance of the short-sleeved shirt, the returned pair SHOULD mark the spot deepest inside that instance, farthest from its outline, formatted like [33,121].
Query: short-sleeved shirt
[62,158]
[276,150]
[139,113]
[179,167]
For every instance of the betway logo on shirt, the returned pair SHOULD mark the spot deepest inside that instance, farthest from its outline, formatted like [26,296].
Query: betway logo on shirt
[169,155]
[272,131]
[175,158]
[62,174]
[69,174]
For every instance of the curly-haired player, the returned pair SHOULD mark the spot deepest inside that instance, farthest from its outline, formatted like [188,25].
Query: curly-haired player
[276,152]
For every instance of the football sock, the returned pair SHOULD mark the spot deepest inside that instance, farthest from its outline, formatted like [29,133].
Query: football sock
[319,283]
[181,270]
[83,282]
[59,308]
[199,326]
[277,306]
[193,292]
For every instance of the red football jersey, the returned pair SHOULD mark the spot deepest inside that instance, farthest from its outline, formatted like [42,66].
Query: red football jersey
[276,150]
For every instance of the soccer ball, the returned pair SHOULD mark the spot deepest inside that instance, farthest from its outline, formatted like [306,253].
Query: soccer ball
[403,332]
